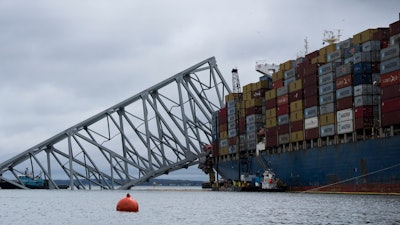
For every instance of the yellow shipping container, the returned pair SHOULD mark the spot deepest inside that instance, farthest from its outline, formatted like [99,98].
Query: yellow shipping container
[247,88]
[233,96]
[327,49]
[286,65]
[297,136]
[296,116]
[270,113]
[319,59]
[363,36]
[277,75]
[261,85]
[223,151]
[271,122]
[327,119]
[254,102]
[253,86]
[296,105]
[247,96]
[296,85]
[271,94]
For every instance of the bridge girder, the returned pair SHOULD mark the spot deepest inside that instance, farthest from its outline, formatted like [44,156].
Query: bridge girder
[159,130]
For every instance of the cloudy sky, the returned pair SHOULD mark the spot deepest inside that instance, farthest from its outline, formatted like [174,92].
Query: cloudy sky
[64,61]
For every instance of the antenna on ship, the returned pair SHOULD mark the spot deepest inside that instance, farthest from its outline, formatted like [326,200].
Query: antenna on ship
[235,81]
[305,46]
[330,37]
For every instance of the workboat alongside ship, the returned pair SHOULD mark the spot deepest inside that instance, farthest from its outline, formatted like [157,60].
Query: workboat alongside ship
[328,121]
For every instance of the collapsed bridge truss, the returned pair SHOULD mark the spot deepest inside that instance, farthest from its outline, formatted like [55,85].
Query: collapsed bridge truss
[159,130]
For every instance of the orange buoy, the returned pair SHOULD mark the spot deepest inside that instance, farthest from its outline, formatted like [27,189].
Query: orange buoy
[128,204]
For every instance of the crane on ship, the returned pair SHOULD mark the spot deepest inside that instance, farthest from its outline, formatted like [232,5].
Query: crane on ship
[330,37]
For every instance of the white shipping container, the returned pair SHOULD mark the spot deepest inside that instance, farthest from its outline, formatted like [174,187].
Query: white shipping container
[283,139]
[223,143]
[282,91]
[251,136]
[327,98]
[344,115]
[345,127]
[371,46]
[311,123]
[327,130]
[311,112]
[232,149]
[327,108]
[231,111]
[326,88]
[232,133]
[362,100]
[283,119]
[232,125]
[290,73]
[231,104]
[344,92]
[326,78]
[395,39]
[255,118]
[363,89]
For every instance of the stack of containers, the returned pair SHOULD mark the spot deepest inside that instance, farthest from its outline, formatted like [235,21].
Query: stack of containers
[255,113]
[310,96]
[215,133]
[327,96]
[271,118]
[390,78]
[366,66]
[296,111]
[223,131]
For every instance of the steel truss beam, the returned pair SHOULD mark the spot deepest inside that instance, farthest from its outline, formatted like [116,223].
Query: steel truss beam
[159,130]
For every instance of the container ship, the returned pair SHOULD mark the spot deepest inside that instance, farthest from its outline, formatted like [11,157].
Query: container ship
[328,121]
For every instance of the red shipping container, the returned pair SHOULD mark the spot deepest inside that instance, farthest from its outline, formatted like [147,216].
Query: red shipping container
[215,149]
[277,84]
[272,141]
[364,111]
[223,113]
[232,141]
[310,80]
[272,131]
[344,103]
[283,129]
[344,81]
[392,91]
[223,127]
[270,103]
[391,105]
[312,133]
[391,78]
[242,125]
[375,67]
[282,109]
[381,34]
[254,110]
[297,125]
[311,101]
[282,100]
[390,118]
[297,95]
[385,44]
[394,28]
[311,55]
[363,123]
[260,93]
[310,91]
[311,70]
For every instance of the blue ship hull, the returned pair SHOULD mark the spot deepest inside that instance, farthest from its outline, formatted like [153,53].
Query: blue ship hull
[364,166]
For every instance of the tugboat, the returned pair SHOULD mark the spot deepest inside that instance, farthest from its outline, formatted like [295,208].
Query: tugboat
[30,181]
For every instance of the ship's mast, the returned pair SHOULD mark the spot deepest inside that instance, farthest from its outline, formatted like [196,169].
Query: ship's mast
[235,81]
[330,37]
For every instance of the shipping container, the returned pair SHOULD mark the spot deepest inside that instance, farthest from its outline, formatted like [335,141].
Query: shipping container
[362,100]
[283,139]
[362,79]
[283,129]
[327,49]
[344,92]
[394,28]
[344,103]
[391,78]
[310,91]
[282,91]
[326,78]
[362,68]
[335,56]
[363,89]
[282,109]
[311,101]
[296,105]
[223,143]
[326,88]
[312,133]
[363,123]
[363,36]
[296,136]
[296,125]
[360,57]
[297,95]
[390,65]
[345,44]
[327,119]
[311,112]
[232,133]
[283,119]
[271,103]
[296,85]
[270,94]
[277,84]
[389,92]
[390,118]
[310,70]
[394,39]
[288,81]
[254,102]
[390,52]
[327,130]
[349,52]
[255,110]
[371,46]
[327,108]
[344,81]
[345,127]
[296,116]
[391,105]
[328,68]
[310,123]
[289,73]
[259,93]
[327,98]
[272,141]
[255,118]
[232,125]
[343,70]
[344,115]
[363,111]
[282,100]
[310,80]
[272,131]
[270,113]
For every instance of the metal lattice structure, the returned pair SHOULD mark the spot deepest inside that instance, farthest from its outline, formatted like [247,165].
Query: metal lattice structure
[159,130]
